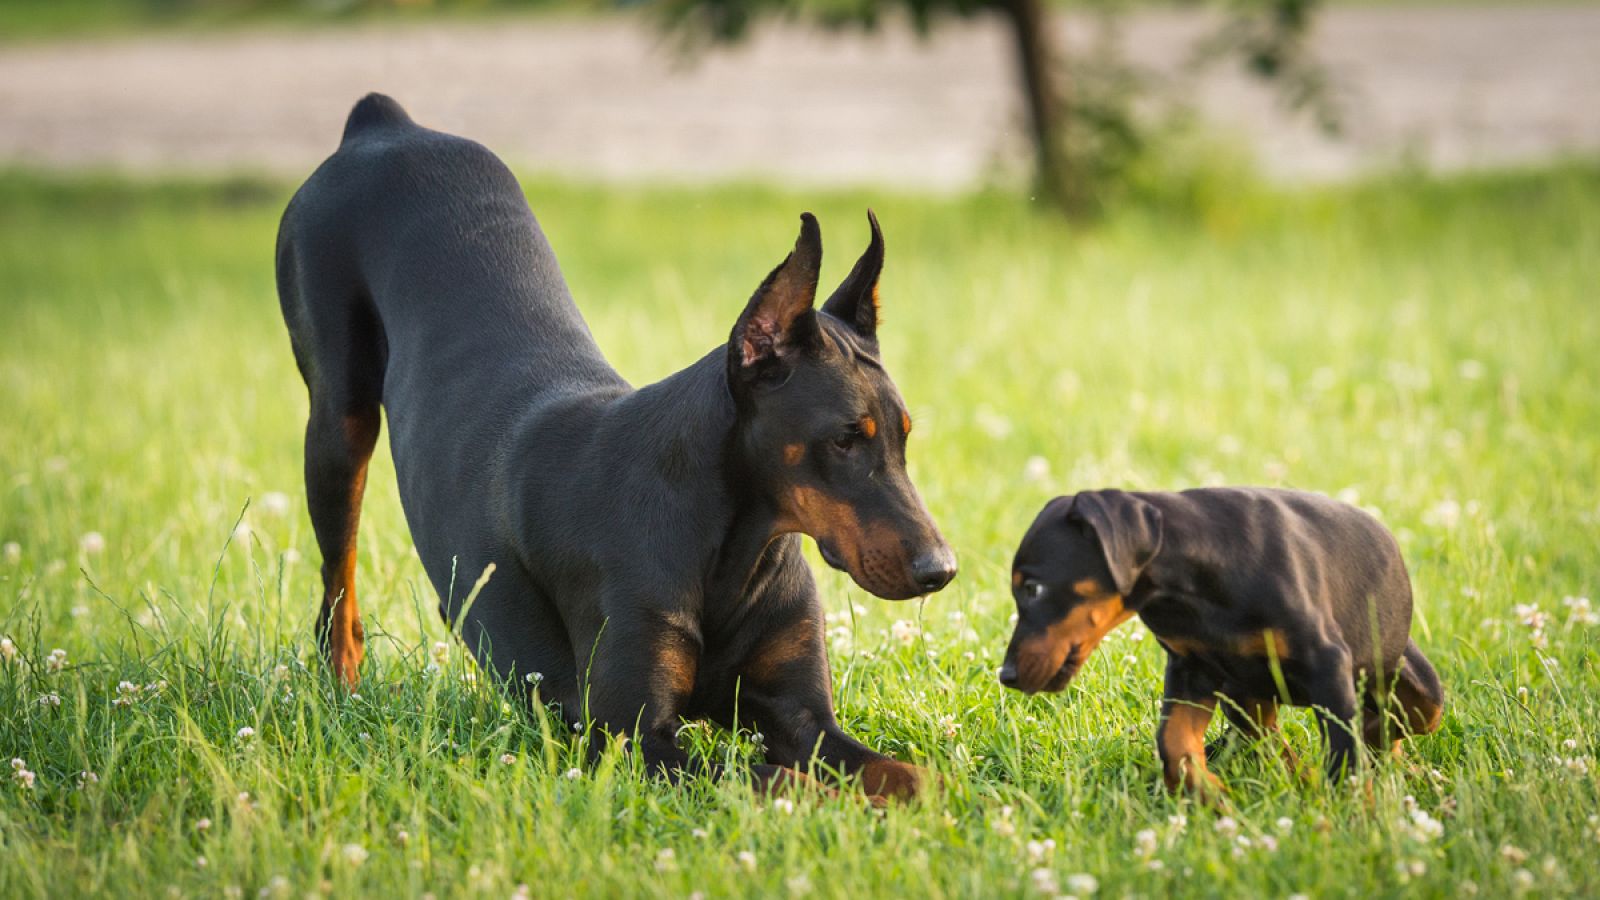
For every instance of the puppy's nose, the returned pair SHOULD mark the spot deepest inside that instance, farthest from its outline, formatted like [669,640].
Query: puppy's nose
[1008,674]
[934,569]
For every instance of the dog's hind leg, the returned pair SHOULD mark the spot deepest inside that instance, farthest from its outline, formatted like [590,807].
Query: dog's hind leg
[1416,702]
[338,345]
[339,444]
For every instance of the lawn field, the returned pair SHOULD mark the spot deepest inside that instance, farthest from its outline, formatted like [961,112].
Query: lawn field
[1425,349]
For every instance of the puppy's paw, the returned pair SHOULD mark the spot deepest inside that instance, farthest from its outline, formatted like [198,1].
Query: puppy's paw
[890,779]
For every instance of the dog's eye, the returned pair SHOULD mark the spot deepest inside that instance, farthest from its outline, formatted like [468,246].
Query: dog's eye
[848,439]
[1032,590]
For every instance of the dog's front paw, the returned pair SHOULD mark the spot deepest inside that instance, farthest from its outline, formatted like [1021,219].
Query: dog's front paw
[891,779]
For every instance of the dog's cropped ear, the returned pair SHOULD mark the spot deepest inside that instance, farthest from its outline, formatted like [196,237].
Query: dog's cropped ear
[779,320]
[856,301]
[1129,530]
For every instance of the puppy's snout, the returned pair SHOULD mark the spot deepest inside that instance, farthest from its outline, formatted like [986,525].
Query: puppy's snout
[933,569]
[1008,674]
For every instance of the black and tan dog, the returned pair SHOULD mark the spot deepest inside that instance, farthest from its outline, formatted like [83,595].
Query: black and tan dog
[647,563]
[1259,596]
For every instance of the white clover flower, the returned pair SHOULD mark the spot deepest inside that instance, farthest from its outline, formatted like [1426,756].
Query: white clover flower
[699,834]
[244,734]
[87,778]
[1043,881]
[1226,826]
[747,860]
[1444,514]
[949,726]
[1145,842]
[783,805]
[1424,828]
[8,650]
[1178,822]
[354,854]
[21,775]
[242,532]
[1082,884]
[1535,620]
[56,661]
[1513,854]
[1268,843]
[1041,851]
[92,542]
[904,631]
[574,774]
[1580,611]
[200,862]
[1284,824]
[440,652]
[274,503]
[1036,469]
[533,678]
[508,758]
[12,552]
[1522,880]
[291,556]
[992,423]
[666,860]
[1003,826]
[51,700]
[798,885]
[202,825]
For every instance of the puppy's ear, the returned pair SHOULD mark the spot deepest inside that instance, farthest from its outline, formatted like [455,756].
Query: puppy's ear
[779,320]
[1129,530]
[856,301]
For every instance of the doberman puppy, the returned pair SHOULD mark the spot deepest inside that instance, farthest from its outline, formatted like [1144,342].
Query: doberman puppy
[1259,596]
[645,543]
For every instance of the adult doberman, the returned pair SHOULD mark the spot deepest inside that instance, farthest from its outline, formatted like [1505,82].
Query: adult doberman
[644,543]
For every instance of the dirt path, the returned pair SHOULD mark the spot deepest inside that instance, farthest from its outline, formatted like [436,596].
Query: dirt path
[1444,87]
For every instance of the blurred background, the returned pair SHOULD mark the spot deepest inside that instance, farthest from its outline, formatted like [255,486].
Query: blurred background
[1077,98]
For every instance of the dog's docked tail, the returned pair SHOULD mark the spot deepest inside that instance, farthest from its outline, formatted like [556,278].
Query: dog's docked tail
[374,111]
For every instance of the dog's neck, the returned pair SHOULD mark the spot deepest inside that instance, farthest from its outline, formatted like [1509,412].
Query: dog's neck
[692,419]
[1167,591]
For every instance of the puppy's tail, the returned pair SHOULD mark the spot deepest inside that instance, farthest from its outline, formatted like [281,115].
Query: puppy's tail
[374,111]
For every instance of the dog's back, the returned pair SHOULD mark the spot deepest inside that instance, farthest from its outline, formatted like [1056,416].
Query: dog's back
[1303,548]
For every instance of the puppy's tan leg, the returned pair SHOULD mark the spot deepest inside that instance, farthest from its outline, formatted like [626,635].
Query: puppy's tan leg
[1181,742]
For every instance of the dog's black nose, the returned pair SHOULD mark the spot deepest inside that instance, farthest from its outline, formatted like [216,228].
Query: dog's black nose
[934,569]
[1008,674]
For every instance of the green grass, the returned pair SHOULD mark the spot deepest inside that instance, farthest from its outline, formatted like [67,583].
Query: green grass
[1426,347]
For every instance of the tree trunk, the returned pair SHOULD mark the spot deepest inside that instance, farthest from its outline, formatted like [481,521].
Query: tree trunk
[1036,59]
